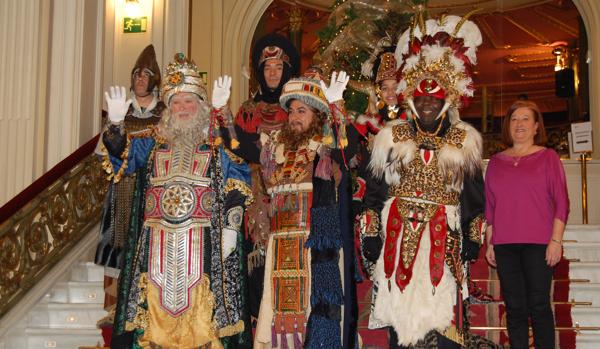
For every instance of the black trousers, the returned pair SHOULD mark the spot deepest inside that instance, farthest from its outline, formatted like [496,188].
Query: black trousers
[433,339]
[525,281]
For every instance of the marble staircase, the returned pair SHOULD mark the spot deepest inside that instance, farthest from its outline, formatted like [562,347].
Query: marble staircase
[582,248]
[63,310]
[576,293]
[65,313]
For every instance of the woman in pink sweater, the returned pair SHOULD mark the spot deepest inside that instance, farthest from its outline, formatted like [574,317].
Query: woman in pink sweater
[527,206]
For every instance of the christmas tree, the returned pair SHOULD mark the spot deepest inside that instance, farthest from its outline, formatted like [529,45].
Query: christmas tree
[354,34]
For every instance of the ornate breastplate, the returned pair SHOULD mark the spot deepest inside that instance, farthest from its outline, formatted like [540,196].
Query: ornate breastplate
[296,168]
[423,177]
[136,121]
[282,166]
[180,186]
[178,208]
[289,185]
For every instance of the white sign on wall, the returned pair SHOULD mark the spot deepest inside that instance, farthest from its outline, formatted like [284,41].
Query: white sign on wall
[582,137]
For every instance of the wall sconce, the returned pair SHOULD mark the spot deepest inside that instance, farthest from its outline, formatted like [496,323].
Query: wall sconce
[561,57]
[134,21]
[564,74]
[133,9]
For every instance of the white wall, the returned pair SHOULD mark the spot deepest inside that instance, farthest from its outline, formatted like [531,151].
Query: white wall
[23,69]
[56,59]
[573,173]
[590,13]
[167,31]
[72,69]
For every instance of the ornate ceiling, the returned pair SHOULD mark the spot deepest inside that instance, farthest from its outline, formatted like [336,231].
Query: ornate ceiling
[516,55]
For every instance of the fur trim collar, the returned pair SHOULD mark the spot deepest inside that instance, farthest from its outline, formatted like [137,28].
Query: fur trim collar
[146,113]
[394,147]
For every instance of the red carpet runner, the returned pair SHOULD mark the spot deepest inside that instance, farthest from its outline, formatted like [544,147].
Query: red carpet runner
[483,315]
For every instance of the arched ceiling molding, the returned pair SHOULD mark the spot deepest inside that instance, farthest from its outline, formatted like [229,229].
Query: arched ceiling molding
[237,41]
[243,20]
[590,13]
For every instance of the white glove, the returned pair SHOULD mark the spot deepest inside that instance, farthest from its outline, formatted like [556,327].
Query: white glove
[336,88]
[117,105]
[229,239]
[221,91]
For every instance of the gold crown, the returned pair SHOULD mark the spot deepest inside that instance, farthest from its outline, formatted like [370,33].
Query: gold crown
[387,67]
[182,75]
[441,49]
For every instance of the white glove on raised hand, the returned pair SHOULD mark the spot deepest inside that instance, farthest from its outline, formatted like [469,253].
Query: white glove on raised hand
[229,241]
[336,88]
[221,91]
[117,103]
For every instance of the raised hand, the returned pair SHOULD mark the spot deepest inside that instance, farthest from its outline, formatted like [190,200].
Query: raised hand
[335,91]
[117,104]
[221,91]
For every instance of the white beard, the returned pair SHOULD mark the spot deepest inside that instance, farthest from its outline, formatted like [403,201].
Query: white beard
[186,131]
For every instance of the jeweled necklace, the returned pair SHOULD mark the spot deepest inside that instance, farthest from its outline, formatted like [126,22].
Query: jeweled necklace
[433,134]
[392,111]
[516,159]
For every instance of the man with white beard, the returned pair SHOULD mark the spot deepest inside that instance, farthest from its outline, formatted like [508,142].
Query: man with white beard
[182,280]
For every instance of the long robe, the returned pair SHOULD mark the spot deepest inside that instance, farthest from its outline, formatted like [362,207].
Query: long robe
[431,220]
[176,289]
[321,310]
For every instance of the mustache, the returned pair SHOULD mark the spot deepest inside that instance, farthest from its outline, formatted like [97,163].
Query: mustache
[193,129]
[179,113]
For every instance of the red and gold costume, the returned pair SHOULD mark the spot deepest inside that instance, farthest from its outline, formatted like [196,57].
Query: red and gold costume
[262,113]
[178,288]
[301,305]
[420,232]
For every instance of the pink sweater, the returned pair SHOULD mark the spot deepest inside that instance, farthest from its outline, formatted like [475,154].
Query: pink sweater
[522,201]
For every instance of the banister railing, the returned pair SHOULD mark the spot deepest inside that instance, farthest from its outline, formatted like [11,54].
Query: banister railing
[41,224]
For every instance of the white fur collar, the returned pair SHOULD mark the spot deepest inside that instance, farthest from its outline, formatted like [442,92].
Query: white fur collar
[389,156]
[137,110]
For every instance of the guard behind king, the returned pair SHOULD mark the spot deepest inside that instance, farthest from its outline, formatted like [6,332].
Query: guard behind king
[143,112]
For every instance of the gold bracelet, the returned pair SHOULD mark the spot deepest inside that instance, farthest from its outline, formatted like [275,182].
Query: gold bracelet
[557,241]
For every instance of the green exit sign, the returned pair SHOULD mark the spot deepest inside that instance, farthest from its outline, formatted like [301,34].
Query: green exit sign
[135,25]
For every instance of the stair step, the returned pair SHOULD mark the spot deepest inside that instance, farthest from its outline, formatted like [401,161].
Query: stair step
[61,338]
[87,271]
[586,316]
[584,251]
[588,340]
[590,233]
[585,270]
[585,292]
[482,315]
[65,316]
[77,292]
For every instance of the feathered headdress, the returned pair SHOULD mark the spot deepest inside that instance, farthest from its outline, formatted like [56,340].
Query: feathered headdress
[438,55]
